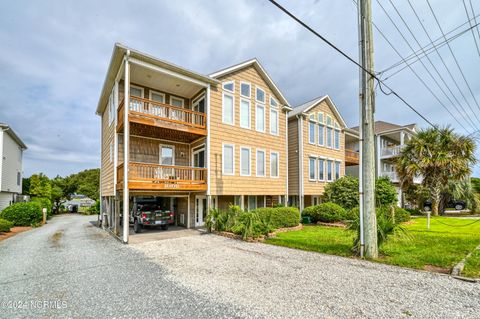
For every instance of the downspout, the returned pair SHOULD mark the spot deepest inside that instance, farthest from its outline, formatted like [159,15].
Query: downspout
[300,161]
[126,151]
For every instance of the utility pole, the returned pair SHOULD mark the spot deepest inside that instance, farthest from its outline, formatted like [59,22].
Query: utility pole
[367,136]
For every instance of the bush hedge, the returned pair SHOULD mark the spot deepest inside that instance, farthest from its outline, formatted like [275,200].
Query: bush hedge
[23,214]
[5,225]
[44,203]
[401,215]
[280,216]
[326,212]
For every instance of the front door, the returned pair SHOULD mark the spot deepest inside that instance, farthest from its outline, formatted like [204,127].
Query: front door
[200,210]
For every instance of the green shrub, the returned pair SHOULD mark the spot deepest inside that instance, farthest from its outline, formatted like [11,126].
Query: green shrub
[250,225]
[385,228]
[326,212]
[401,215]
[414,211]
[279,217]
[23,214]
[95,209]
[44,203]
[385,192]
[343,191]
[222,220]
[5,225]
[352,214]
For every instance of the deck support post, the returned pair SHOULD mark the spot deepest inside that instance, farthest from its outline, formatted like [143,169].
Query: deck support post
[126,149]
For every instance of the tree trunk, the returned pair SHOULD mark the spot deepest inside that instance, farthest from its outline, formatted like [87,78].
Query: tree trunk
[435,193]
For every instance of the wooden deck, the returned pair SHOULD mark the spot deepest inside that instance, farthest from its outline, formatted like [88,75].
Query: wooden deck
[351,157]
[146,176]
[168,120]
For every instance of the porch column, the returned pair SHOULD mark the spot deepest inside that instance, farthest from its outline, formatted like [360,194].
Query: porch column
[188,211]
[379,154]
[301,200]
[126,149]
[116,213]
[242,202]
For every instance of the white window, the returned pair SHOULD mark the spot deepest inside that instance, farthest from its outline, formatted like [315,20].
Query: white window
[260,118]
[337,170]
[245,113]
[228,159]
[329,170]
[260,95]
[273,102]
[337,139]
[320,117]
[136,91]
[245,161]
[311,168]
[329,137]
[245,89]
[111,152]
[311,132]
[261,163]
[229,86]
[157,97]
[252,202]
[274,164]
[273,122]
[176,101]
[227,109]
[136,104]
[321,169]
[167,155]
[321,134]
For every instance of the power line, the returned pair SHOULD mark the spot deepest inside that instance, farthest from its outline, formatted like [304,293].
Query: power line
[423,64]
[429,48]
[454,57]
[473,32]
[446,68]
[474,17]
[303,24]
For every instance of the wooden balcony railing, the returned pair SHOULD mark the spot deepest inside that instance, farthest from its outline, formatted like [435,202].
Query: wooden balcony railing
[146,176]
[141,107]
[351,157]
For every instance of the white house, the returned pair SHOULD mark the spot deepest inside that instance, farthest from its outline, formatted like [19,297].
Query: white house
[11,150]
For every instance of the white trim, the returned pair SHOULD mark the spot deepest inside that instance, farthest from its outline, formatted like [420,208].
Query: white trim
[249,160]
[165,71]
[270,122]
[264,162]
[300,160]
[223,159]
[249,113]
[196,102]
[172,97]
[150,92]
[331,104]
[137,87]
[207,161]
[264,117]
[333,169]
[270,102]
[160,153]
[323,135]
[223,108]
[318,169]
[229,82]
[310,158]
[198,149]
[278,164]
[310,133]
[249,89]
[264,95]
[336,130]
[260,69]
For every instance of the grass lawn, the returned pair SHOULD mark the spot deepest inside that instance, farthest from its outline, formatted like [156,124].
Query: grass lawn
[472,266]
[442,246]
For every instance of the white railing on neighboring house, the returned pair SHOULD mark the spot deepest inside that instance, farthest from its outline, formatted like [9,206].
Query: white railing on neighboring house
[391,151]
[391,175]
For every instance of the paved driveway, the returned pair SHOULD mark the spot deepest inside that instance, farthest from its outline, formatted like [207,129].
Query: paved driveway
[84,273]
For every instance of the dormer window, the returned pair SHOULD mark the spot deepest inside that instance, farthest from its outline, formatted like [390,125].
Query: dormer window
[260,95]
[245,89]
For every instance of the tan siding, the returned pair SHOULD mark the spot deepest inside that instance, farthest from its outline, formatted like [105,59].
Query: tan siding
[293,149]
[107,168]
[317,187]
[224,133]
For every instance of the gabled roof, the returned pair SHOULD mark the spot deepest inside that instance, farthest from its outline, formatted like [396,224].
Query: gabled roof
[119,51]
[307,106]
[6,128]
[256,64]
[383,127]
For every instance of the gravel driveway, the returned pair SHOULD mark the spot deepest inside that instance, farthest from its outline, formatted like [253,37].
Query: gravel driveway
[277,282]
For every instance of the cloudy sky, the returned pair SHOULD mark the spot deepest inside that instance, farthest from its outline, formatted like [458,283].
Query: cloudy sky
[55,55]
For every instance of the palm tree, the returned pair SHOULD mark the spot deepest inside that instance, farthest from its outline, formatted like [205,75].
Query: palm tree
[438,155]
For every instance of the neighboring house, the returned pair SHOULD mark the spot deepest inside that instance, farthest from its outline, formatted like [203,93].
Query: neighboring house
[196,141]
[11,150]
[389,140]
[316,149]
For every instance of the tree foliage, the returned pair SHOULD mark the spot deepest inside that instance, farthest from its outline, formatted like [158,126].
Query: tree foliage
[438,155]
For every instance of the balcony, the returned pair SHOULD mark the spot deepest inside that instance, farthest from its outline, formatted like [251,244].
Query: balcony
[393,176]
[152,118]
[351,157]
[147,176]
[391,151]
